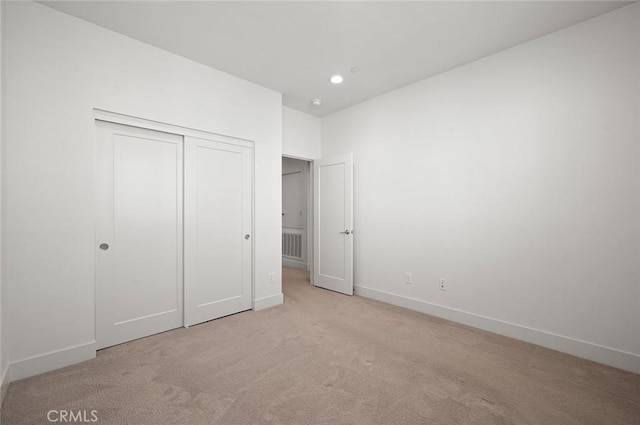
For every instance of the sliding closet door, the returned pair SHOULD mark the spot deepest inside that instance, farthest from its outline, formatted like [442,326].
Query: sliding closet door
[218,239]
[139,233]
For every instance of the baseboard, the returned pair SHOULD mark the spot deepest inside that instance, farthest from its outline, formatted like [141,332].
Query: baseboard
[295,264]
[4,384]
[51,361]
[267,302]
[586,350]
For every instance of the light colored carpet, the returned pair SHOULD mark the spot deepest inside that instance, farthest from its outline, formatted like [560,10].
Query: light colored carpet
[325,358]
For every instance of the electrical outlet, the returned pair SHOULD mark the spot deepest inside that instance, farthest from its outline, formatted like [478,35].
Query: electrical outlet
[272,277]
[408,277]
[443,284]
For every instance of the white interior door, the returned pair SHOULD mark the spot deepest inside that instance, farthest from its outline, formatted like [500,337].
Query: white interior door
[333,223]
[139,233]
[218,245]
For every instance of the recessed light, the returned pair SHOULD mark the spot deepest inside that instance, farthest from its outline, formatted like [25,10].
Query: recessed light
[336,79]
[316,102]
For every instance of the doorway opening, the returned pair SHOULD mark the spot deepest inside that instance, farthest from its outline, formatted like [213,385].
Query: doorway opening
[317,220]
[297,214]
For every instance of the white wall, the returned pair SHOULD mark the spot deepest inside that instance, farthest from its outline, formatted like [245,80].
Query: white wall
[300,134]
[516,178]
[58,69]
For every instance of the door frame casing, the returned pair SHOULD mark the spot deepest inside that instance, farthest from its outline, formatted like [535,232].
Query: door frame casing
[132,121]
[311,220]
[310,215]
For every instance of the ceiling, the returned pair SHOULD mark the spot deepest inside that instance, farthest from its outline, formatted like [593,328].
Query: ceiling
[295,47]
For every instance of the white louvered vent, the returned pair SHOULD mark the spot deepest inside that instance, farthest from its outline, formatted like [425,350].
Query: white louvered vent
[292,245]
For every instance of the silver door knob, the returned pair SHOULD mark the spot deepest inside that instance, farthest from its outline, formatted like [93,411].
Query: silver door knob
[104,246]
[346,232]
[247,237]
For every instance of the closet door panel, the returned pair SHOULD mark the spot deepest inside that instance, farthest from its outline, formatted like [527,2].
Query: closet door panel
[139,248]
[218,197]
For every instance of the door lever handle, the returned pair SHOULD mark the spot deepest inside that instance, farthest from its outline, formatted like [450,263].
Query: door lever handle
[346,232]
